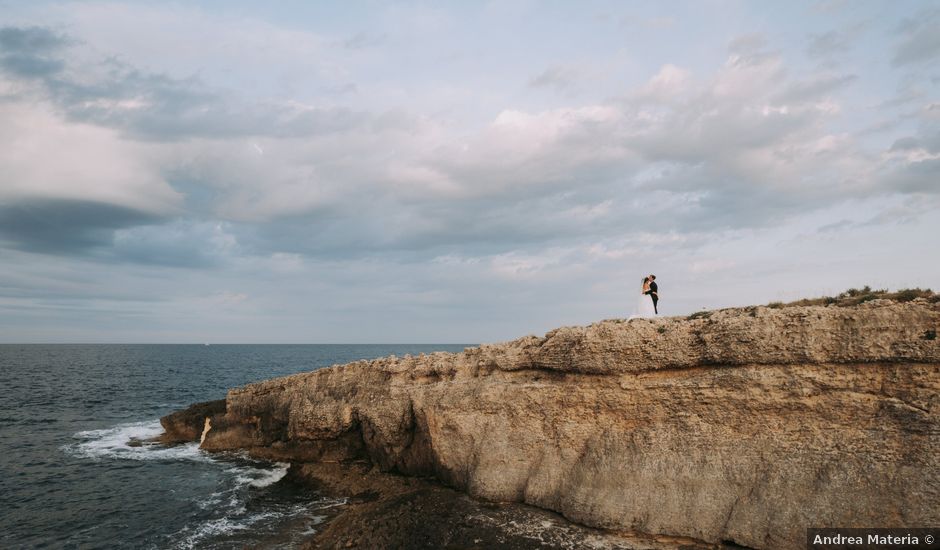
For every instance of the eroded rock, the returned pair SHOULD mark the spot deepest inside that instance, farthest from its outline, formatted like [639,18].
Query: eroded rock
[744,425]
[189,423]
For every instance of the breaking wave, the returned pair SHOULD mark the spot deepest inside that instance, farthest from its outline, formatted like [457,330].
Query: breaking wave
[240,505]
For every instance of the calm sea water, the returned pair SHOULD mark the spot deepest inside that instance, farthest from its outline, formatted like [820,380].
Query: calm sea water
[68,479]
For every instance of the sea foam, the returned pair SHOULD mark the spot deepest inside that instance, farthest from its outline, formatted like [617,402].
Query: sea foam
[129,441]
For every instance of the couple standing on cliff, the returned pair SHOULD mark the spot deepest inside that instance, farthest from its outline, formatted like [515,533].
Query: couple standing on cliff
[649,298]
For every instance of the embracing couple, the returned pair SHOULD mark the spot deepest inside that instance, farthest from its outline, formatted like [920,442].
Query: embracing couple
[649,298]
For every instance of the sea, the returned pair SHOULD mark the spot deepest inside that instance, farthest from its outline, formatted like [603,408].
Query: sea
[69,479]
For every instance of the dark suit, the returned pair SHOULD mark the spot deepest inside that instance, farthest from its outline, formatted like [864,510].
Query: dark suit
[654,294]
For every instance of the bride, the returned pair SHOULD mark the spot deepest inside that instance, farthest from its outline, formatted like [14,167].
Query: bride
[644,306]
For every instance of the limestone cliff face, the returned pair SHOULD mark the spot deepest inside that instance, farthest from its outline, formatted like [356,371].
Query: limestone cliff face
[744,425]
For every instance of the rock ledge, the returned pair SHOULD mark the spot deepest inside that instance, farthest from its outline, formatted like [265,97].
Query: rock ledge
[744,425]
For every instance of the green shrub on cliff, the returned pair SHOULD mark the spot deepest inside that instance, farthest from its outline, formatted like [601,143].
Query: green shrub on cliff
[856,296]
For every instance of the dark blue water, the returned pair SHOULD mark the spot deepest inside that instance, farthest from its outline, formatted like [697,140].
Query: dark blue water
[68,479]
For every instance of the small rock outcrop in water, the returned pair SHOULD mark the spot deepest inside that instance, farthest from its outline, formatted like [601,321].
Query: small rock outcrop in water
[745,425]
[189,424]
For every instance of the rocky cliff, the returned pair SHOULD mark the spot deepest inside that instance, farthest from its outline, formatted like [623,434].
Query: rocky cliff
[745,425]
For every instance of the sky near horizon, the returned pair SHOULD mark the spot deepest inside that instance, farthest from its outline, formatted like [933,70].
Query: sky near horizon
[355,172]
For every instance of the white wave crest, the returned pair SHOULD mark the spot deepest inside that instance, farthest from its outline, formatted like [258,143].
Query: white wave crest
[259,477]
[129,441]
[219,527]
[227,506]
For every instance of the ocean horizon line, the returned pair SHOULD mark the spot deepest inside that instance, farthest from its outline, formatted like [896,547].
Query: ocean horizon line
[235,344]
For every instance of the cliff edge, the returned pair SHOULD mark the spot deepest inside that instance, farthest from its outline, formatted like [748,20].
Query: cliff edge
[743,425]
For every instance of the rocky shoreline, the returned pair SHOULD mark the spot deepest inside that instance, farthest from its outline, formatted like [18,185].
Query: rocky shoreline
[386,510]
[740,426]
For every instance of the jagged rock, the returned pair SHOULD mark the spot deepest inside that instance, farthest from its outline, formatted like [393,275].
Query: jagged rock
[745,425]
[392,511]
[188,424]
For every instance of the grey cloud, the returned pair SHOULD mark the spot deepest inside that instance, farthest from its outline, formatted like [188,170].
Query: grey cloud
[931,142]
[512,202]
[710,197]
[908,92]
[557,77]
[710,132]
[31,39]
[743,204]
[31,52]
[503,202]
[152,106]
[835,42]
[919,39]
[837,226]
[421,231]
[362,40]
[927,137]
[175,244]
[57,226]
[908,212]
[589,205]
[179,108]
[481,225]
[709,186]
[30,65]
[750,50]
[827,44]
[342,89]
[747,43]
[909,171]
[905,144]
[22,276]
[915,177]
[811,89]
[112,234]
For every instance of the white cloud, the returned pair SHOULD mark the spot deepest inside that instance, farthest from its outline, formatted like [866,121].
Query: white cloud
[183,40]
[45,157]
[376,177]
[666,85]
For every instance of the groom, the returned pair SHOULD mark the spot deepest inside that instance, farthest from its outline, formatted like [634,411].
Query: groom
[654,293]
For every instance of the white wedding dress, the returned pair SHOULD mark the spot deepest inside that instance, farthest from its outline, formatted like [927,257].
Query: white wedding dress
[644,307]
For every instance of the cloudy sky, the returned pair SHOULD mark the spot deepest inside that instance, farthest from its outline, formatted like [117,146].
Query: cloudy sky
[453,172]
